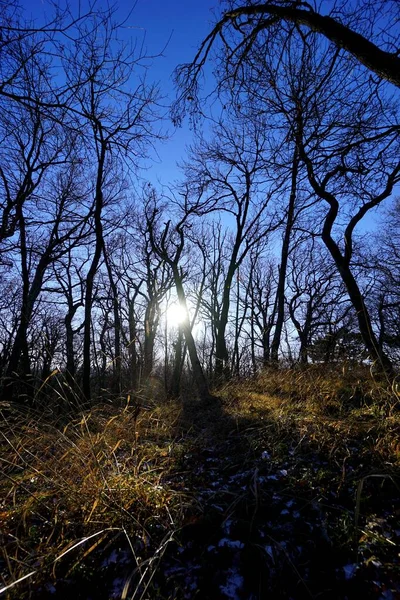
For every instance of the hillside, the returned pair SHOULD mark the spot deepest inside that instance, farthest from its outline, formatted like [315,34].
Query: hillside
[286,488]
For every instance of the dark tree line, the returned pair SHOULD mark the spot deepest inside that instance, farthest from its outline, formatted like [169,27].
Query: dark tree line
[263,243]
[342,122]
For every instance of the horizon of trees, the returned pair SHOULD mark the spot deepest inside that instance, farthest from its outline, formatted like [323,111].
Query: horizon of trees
[261,242]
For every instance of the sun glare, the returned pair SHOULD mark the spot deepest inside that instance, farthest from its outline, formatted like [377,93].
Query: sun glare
[176,314]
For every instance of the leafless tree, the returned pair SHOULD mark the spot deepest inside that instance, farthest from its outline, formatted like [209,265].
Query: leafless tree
[116,122]
[367,30]
[231,175]
[42,240]
[259,275]
[69,273]
[169,243]
[313,287]
[346,123]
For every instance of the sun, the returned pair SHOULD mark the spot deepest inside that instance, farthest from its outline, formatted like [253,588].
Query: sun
[176,314]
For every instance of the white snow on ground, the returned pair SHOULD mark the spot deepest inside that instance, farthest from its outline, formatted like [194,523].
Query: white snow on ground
[349,570]
[233,585]
[224,542]
[270,551]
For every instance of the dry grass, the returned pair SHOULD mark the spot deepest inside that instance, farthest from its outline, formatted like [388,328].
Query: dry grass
[326,407]
[98,476]
[69,491]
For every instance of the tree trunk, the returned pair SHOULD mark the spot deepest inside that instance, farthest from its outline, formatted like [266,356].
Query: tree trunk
[69,346]
[174,386]
[200,379]
[99,247]
[133,359]
[150,330]
[236,354]
[280,291]
[221,350]
[20,351]
[117,383]
[380,358]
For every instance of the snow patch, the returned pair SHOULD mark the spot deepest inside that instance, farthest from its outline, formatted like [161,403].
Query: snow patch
[226,543]
[270,551]
[233,585]
[349,570]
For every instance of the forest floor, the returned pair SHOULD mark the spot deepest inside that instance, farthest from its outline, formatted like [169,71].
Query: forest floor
[288,487]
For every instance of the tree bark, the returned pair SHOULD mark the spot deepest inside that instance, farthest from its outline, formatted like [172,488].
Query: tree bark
[221,350]
[369,338]
[150,330]
[174,386]
[198,373]
[99,247]
[133,358]
[280,291]
[384,64]
[117,382]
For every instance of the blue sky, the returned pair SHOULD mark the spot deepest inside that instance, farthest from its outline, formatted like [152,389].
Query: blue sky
[174,28]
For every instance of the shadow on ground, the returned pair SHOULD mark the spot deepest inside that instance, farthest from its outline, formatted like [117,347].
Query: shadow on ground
[270,511]
[275,515]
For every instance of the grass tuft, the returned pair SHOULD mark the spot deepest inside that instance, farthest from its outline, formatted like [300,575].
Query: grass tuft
[140,483]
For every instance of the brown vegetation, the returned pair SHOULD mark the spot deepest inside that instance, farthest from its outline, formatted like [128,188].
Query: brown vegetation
[137,480]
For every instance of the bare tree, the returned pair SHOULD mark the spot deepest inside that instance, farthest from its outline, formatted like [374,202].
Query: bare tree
[384,270]
[145,279]
[313,287]
[169,244]
[116,121]
[231,174]
[69,275]
[375,45]
[27,48]
[367,170]
[259,276]
[41,242]
[213,249]
[346,128]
